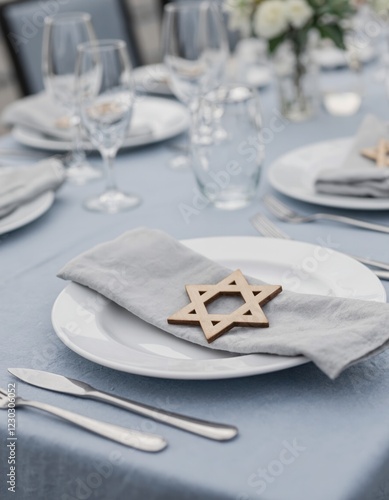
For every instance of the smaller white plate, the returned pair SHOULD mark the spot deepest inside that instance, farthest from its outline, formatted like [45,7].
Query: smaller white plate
[161,118]
[101,331]
[332,57]
[294,175]
[27,213]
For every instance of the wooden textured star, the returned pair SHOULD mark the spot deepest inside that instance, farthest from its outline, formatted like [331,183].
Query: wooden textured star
[215,325]
[379,153]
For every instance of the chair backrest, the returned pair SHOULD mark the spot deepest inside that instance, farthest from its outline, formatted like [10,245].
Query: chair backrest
[22,25]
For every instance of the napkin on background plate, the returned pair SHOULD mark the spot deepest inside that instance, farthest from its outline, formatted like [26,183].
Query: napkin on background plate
[20,185]
[358,176]
[37,112]
[145,271]
[40,113]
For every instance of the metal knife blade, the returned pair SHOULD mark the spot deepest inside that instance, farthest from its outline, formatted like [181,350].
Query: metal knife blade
[51,381]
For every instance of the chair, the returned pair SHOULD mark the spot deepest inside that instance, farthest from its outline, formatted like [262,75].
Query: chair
[22,24]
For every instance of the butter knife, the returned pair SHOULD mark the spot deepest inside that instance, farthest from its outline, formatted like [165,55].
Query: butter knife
[60,383]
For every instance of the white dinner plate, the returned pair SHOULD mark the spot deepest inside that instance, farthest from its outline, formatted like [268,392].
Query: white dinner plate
[160,118]
[294,173]
[27,213]
[103,332]
[153,78]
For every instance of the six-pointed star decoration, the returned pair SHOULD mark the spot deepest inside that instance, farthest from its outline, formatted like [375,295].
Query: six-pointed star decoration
[214,325]
[379,153]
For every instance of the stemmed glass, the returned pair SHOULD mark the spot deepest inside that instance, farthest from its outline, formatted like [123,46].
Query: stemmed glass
[62,34]
[105,94]
[195,55]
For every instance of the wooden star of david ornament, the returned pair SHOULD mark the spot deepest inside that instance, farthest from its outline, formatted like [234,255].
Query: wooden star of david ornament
[215,325]
[379,153]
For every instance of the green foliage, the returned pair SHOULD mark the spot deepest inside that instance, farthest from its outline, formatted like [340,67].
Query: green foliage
[275,42]
[334,32]
[327,20]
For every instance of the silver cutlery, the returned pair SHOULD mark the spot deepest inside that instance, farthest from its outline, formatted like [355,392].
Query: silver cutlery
[127,437]
[283,212]
[265,227]
[59,383]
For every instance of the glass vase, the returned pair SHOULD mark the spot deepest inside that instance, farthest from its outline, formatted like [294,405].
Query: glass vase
[297,82]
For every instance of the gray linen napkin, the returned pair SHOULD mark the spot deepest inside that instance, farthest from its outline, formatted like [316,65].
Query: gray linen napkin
[145,271]
[20,185]
[358,176]
[39,112]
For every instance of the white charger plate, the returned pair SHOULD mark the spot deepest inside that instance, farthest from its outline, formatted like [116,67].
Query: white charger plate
[294,173]
[27,213]
[107,334]
[164,119]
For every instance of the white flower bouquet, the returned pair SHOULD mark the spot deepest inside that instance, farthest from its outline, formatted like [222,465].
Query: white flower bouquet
[278,21]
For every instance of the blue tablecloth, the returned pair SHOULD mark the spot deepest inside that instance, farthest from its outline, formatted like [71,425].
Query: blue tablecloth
[302,436]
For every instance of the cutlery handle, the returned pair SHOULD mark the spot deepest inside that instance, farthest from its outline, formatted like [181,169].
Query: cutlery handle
[382,275]
[128,437]
[210,430]
[383,266]
[355,222]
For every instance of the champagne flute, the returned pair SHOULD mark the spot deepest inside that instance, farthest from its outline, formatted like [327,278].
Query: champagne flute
[62,34]
[106,96]
[195,54]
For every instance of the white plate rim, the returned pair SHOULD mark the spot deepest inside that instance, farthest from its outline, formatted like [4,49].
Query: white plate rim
[366,57]
[46,201]
[249,370]
[274,173]
[34,140]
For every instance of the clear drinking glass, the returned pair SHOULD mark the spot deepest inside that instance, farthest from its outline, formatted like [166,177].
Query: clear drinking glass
[195,55]
[227,170]
[62,34]
[106,96]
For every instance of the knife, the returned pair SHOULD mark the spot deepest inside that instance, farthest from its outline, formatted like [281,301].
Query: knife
[59,383]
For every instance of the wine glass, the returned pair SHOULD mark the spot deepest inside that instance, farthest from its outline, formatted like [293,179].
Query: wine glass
[195,54]
[62,34]
[106,96]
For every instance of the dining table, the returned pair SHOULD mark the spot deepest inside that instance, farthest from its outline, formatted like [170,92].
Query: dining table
[302,436]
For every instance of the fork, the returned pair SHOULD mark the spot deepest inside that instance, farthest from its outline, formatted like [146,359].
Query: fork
[128,437]
[265,227]
[283,212]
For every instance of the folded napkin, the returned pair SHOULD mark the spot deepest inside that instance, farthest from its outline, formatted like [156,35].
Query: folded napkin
[20,185]
[40,113]
[145,271]
[358,176]
[37,112]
